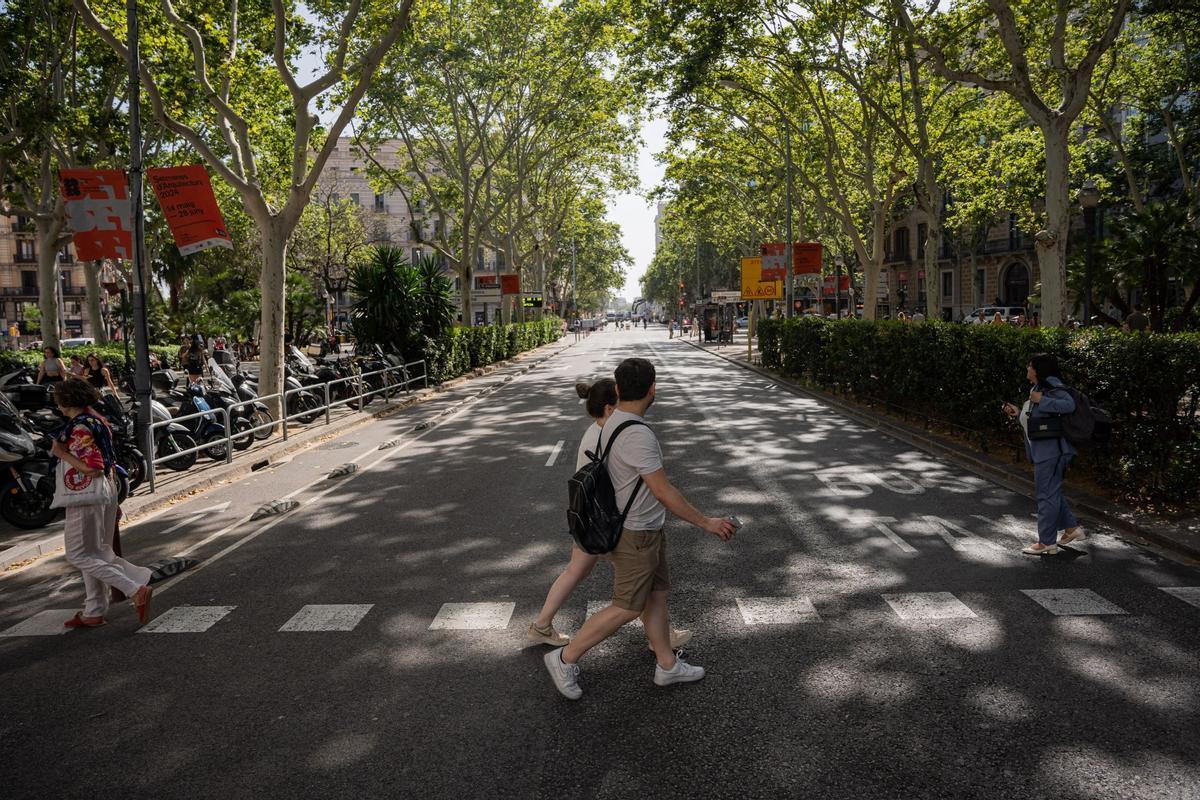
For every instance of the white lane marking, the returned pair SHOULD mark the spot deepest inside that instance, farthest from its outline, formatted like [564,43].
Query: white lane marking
[473,617]
[554,455]
[1010,525]
[44,623]
[187,619]
[1071,602]
[946,529]
[1188,594]
[777,610]
[928,605]
[881,524]
[189,518]
[326,618]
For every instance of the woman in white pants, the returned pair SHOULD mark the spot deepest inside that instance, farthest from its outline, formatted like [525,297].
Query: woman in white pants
[85,445]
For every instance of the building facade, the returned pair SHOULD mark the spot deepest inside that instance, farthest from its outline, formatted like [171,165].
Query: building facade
[391,217]
[19,282]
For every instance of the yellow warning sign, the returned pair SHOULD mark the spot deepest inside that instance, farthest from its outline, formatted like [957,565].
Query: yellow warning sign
[753,286]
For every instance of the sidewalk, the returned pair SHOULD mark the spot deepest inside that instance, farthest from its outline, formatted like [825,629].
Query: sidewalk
[18,547]
[1181,537]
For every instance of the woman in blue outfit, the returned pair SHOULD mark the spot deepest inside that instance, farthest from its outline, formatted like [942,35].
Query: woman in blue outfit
[1050,457]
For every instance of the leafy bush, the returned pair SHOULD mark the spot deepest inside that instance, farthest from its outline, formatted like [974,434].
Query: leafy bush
[459,350]
[113,355]
[1150,383]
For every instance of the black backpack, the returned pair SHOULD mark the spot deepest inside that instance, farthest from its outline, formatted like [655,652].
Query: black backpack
[592,514]
[1088,424]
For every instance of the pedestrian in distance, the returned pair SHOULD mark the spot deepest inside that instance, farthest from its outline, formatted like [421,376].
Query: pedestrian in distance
[76,370]
[1050,456]
[52,370]
[85,445]
[641,578]
[194,359]
[601,398]
[1137,321]
[997,318]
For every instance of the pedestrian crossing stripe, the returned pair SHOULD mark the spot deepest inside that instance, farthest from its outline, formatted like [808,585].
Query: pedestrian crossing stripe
[754,611]
[326,618]
[1188,594]
[187,619]
[1072,602]
[928,605]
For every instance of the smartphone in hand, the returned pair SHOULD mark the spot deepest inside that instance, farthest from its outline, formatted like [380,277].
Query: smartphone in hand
[737,523]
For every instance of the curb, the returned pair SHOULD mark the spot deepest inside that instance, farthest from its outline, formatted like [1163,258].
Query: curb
[1091,506]
[274,452]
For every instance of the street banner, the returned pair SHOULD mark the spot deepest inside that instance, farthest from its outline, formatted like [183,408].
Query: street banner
[510,284]
[754,287]
[806,259]
[186,196]
[98,213]
[828,290]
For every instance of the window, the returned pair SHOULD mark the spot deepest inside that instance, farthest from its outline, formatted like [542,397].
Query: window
[64,255]
[901,243]
[500,262]
[416,254]
[354,199]
[29,283]
[65,277]
[437,229]
[379,203]
[922,233]
[479,259]
[980,287]
[25,250]
[948,288]
[334,199]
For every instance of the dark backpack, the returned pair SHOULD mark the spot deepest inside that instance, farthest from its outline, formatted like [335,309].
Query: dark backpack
[592,514]
[1087,424]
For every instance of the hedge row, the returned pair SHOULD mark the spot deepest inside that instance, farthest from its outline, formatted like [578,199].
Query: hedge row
[464,349]
[1150,383]
[113,355]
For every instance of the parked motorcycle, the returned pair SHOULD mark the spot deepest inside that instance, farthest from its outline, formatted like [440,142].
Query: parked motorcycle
[245,412]
[27,484]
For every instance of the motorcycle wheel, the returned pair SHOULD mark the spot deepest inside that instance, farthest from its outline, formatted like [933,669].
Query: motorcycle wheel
[305,402]
[135,464]
[262,417]
[216,448]
[242,442]
[124,487]
[26,510]
[174,443]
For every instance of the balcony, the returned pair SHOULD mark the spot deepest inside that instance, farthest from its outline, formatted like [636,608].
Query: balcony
[19,291]
[74,291]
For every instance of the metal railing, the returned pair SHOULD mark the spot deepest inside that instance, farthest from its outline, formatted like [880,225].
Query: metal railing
[394,379]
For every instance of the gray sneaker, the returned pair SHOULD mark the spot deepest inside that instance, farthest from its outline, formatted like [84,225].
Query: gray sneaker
[682,672]
[564,675]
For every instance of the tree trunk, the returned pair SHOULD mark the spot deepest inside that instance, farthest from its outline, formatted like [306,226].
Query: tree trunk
[272,285]
[1052,247]
[91,277]
[49,230]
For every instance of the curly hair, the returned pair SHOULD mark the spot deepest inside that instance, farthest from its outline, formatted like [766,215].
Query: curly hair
[75,393]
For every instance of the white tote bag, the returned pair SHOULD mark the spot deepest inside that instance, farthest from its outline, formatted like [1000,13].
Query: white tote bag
[74,488]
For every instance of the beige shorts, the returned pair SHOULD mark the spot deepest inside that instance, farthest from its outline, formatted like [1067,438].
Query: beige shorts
[639,568]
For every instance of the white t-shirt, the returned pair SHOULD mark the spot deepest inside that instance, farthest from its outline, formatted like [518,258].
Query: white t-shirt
[636,452]
[588,442]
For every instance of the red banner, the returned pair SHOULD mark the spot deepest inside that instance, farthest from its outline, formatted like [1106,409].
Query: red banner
[510,284]
[98,212]
[828,290]
[806,259]
[186,196]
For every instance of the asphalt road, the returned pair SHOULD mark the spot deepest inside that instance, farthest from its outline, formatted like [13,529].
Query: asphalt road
[873,630]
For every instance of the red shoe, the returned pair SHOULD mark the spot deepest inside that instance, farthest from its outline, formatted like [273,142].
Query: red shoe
[141,601]
[80,621]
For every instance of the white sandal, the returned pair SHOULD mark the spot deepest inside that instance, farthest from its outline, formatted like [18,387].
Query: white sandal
[1041,550]
[1078,536]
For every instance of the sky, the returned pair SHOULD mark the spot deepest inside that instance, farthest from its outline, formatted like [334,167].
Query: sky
[634,213]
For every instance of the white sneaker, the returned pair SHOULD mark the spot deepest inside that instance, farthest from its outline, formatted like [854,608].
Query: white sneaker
[679,637]
[564,675]
[682,672]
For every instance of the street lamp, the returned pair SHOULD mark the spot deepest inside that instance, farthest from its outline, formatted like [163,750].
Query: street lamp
[1089,198]
[789,291]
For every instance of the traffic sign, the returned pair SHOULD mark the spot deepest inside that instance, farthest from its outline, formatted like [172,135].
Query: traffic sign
[726,297]
[754,287]
[531,301]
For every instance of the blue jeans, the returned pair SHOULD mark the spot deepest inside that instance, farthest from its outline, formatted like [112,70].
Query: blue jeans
[1052,510]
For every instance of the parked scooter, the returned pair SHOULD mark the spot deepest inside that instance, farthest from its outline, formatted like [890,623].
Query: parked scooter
[245,413]
[27,483]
